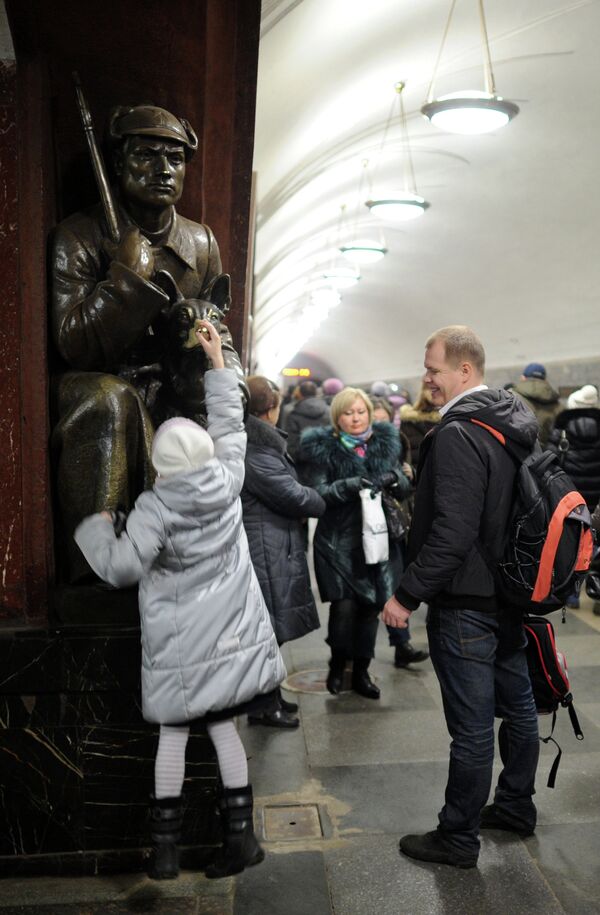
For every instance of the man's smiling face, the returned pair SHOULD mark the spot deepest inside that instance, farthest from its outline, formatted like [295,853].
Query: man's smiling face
[443,379]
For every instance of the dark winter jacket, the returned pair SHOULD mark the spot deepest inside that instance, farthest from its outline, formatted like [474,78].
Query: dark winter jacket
[464,497]
[273,503]
[415,424]
[582,458]
[540,397]
[336,473]
[312,411]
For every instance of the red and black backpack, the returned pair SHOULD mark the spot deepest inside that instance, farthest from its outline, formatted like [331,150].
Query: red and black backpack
[549,542]
[549,680]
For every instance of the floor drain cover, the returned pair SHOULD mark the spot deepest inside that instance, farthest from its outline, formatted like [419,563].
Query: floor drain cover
[312,681]
[301,821]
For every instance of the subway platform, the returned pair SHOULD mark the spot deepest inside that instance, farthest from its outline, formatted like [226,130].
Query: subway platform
[334,796]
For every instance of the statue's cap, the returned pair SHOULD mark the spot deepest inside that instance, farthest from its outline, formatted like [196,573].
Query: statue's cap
[148,120]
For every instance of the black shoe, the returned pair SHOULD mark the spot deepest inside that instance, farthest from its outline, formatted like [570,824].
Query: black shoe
[335,677]
[276,719]
[492,818]
[166,815]
[364,686]
[431,847]
[285,705]
[406,654]
[240,847]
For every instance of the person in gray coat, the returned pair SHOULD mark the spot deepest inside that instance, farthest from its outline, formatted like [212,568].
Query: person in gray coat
[208,646]
[274,502]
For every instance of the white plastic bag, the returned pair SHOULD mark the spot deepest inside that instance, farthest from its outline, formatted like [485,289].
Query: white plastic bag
[374,528]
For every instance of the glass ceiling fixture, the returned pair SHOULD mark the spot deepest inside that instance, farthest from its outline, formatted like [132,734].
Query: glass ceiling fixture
[340,274]
[470,111]
[407,204]
[362,251]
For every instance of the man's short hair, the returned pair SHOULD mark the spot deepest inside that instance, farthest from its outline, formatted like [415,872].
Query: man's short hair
[461,344]
[308,389]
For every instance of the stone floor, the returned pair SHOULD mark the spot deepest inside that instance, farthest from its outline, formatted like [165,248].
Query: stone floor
[335,795]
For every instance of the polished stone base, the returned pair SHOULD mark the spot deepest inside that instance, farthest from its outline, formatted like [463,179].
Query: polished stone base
[77,759]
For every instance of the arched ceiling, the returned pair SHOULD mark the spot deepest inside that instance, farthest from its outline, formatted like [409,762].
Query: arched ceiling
[509,242]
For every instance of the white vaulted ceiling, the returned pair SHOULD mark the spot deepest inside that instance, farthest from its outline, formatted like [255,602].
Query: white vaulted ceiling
[509,243]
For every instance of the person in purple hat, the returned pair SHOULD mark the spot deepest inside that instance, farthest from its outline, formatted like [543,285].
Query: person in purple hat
[541,398]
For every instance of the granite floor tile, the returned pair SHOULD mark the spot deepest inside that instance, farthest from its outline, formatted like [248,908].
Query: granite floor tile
[392,799]
[372,878]
[567,856]
[288,883]
[371,738]
[277,759]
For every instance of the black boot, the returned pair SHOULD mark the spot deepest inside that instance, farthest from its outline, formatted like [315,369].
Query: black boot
[361,681]
[335,677]
[405,654]
[240,847]
[166,815]
[291,707]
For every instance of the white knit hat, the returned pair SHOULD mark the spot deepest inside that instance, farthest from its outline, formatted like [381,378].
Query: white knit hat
[180,446]
[587,396]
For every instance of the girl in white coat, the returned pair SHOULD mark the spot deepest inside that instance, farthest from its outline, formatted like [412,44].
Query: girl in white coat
[208,647]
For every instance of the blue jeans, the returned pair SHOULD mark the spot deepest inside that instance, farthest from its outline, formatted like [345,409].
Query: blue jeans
[482,669]
[398,636]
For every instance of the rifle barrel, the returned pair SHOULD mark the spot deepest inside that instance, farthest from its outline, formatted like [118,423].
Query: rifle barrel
[108,203]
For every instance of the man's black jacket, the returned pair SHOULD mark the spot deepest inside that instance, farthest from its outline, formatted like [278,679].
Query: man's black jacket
[463,500]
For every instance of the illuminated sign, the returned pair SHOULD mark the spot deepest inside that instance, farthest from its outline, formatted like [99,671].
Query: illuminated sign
[296,373]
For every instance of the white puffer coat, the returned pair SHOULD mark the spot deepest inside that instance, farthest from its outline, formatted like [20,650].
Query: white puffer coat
[207,640]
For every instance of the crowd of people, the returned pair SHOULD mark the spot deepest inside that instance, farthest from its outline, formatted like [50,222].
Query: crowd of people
[219,548]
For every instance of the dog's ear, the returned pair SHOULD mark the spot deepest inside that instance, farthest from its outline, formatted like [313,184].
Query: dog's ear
[218,292]
[165,281]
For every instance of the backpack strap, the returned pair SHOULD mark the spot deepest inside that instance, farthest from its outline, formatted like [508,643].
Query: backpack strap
[573,716]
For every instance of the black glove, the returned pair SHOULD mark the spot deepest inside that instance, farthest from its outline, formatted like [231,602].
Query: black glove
[119,520]
[385,480]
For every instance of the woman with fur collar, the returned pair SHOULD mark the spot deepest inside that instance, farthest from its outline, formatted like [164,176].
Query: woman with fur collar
[416,420]
[337,460]
[274,502]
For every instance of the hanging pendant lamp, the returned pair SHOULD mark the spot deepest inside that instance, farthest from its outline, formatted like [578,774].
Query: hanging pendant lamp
[406,204]
[470,111]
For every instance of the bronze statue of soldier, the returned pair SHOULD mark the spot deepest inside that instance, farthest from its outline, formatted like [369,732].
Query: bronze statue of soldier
[110,309]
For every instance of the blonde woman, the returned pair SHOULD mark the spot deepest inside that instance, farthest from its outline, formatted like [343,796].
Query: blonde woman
[338,461]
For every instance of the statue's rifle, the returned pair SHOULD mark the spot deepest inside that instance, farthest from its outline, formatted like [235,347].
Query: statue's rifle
[108,203]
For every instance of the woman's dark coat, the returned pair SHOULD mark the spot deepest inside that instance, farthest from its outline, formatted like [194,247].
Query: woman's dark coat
[582,458]
[336,473]
[273,503]
[415,424]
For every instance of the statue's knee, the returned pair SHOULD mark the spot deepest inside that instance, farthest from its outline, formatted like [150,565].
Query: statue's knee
[115,396]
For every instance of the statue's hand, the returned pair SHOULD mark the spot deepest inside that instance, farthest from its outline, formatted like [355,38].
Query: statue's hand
[133,251]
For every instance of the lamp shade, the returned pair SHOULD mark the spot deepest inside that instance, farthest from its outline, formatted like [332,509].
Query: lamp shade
[364,253]
[341,276]
[399,207]
[470,112]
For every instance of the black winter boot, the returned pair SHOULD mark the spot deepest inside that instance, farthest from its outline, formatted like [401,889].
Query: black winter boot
[335,677]
[166,815]
[240,847]
[405,654]
[361,681]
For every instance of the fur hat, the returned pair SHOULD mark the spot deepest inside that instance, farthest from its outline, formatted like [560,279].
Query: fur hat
[332,386]
[587,396]
[180,446]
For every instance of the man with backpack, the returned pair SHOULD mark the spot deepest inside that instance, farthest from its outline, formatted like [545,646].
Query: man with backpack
[463,503]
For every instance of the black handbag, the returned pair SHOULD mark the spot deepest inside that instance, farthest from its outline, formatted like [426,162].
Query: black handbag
[397,514]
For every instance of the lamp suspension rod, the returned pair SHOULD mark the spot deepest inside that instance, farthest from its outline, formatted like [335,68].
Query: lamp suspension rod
[359,195]
[409,171]
[441,51]
[490,84]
